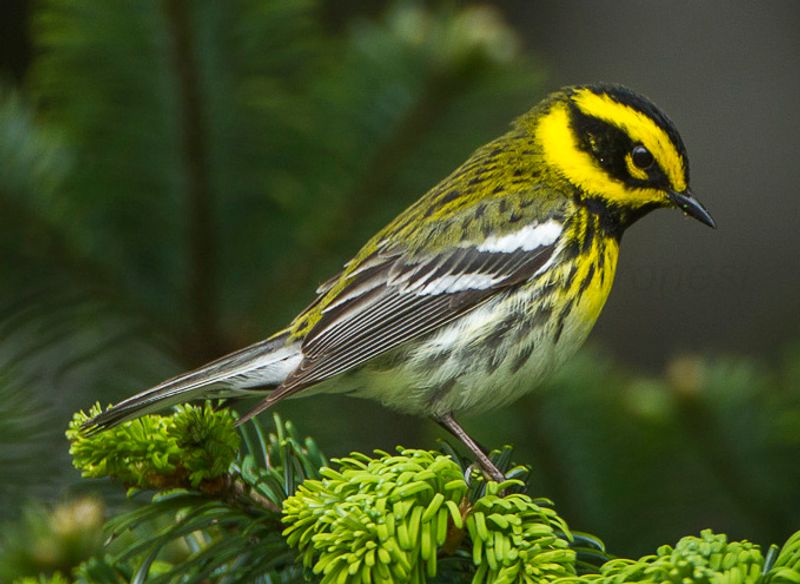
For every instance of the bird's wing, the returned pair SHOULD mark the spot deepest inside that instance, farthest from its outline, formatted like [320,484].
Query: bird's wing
[396,297]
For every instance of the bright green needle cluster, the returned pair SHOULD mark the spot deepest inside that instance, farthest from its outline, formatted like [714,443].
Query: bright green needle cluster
[392,518]
[377,519]
[515,539]
[708,559]
[191,448]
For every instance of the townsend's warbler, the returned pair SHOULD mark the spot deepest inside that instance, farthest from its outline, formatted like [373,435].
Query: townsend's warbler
[476,292]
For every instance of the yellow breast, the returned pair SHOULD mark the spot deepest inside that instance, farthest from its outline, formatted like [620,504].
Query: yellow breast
[595,278]
[584,280]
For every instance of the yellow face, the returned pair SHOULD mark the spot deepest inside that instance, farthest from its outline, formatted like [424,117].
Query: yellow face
[618,148]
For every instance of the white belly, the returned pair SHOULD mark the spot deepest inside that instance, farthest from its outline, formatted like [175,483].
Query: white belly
[493,354]
[469,365]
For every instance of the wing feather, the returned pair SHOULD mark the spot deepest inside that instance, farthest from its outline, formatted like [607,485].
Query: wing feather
[397,296]
[406,298]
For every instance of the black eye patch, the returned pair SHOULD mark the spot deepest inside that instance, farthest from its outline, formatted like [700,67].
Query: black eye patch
[605,143]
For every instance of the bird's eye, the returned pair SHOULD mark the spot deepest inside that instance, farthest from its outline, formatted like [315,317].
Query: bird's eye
[641,157]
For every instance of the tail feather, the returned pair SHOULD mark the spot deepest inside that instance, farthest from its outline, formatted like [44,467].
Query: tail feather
[254,369]
[279,393]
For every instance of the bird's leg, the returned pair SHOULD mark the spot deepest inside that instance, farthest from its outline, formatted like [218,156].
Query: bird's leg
[449,423]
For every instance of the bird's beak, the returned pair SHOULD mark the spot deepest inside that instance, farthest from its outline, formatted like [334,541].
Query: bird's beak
[686,202]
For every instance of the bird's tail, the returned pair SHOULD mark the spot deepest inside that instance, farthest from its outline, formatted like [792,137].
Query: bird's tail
[252,370]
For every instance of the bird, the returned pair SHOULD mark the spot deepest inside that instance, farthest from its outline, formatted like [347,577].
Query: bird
[479,290]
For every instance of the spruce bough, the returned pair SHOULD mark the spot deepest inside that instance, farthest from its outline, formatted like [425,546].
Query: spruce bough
[412,516]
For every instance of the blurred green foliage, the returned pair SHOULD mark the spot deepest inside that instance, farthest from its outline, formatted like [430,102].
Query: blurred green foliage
[713,442]
[51,542]
[175,180]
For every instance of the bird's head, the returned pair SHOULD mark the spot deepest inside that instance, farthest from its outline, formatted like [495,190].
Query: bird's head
[618,149]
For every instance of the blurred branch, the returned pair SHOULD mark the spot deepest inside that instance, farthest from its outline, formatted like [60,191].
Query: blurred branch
[439,91]
[204,340]
[458,50]
[408,133]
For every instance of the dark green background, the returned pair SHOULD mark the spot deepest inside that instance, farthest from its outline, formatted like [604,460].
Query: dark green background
[314,132]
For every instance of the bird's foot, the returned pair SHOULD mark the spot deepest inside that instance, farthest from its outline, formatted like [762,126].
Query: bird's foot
[490,471]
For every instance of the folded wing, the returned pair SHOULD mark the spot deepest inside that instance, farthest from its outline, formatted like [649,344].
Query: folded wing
[394,298]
